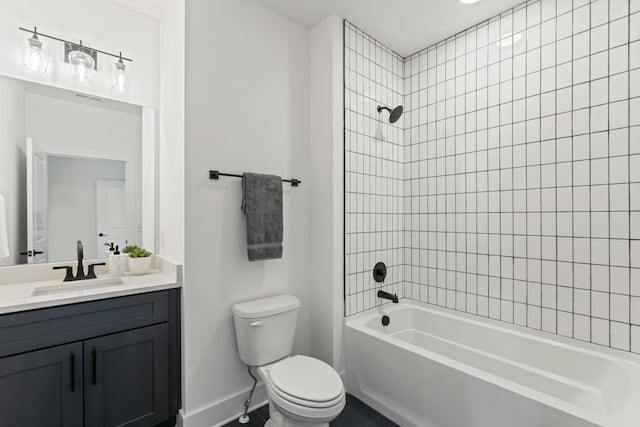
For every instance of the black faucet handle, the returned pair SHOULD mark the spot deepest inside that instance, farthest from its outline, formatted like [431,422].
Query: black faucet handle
[91,274]
[69,275]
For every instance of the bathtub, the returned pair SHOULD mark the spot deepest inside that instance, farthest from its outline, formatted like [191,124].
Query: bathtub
[431,367]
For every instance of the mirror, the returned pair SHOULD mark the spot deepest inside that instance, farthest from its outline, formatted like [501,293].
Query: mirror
[72,168]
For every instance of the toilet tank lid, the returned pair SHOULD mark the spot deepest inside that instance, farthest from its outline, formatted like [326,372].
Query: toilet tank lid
[266,306]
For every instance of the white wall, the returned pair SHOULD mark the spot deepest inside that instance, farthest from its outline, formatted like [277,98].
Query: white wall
[13,166]
[247,109]
[63,125]
[326,200]
[171,133]
[72,203]
[102,24]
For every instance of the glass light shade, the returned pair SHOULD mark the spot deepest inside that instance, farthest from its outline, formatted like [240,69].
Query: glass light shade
[82,65]
[35,55]
[121,76]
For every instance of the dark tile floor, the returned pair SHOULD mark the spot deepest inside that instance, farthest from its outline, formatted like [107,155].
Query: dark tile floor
[355,414]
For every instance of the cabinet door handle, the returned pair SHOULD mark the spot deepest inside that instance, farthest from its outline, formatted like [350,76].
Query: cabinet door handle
[93,369]
[73,372]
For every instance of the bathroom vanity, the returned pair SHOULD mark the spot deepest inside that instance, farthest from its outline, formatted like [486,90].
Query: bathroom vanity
[101,355]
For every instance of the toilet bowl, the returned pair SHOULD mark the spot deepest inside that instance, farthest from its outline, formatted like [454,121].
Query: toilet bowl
[302,391]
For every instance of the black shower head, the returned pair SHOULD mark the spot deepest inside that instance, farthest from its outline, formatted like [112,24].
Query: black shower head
[394,114]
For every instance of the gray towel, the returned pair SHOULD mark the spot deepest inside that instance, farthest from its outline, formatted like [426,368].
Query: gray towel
[262,205]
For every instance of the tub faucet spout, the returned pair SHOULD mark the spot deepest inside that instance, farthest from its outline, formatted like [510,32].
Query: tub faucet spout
[387,295]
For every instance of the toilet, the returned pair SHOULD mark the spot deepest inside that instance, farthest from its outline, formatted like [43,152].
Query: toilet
[302,391]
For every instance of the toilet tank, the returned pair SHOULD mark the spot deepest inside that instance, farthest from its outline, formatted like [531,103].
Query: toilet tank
[265,328]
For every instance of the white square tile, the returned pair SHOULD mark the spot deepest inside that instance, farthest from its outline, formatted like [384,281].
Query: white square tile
[599,12]
[565,325]
[634,54]
[619,32]
[618,170]
[600,224]
[600,331]
[599,91]
[618,60]
[619,142]
[599,118]
[581,96]
[581,327]
[634,86]
[619,114]
[581,70]
[581,19]
[600,251]
[619,87]
[634,112]
[620,307]
[619,225]
[564,25]
[635,339]
[581,45]
[620,336]
[599,65]
[620,280]
[618,9]
[634,26]
[599,38]
[564,50]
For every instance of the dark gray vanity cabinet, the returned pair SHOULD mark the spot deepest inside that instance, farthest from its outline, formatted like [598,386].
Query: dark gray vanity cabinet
[107,363]
[125,377]
[42,388]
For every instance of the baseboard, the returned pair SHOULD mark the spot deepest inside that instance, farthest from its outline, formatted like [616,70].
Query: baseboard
[224,410]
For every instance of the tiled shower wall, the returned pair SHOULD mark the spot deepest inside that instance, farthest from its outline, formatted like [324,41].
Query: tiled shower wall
[522,170]
[524,173]
[374,159]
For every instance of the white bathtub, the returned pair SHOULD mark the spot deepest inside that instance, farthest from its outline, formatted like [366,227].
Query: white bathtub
[433,368]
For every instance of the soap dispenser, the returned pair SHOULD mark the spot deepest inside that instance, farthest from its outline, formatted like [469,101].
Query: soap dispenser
[116,263]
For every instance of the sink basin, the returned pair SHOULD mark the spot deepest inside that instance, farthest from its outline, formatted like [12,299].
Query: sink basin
[81,286]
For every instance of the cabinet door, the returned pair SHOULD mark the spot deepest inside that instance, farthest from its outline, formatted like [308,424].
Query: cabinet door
[127,378]
[42,388]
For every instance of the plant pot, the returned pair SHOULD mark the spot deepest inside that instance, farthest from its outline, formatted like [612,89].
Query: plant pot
[139,266]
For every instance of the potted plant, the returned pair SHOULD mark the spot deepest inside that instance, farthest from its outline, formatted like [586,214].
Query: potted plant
[139,259]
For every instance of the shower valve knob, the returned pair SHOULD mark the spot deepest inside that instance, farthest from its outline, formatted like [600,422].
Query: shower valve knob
[379,272]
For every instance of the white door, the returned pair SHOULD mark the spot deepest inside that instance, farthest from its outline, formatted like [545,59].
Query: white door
[36,204]
[111,220]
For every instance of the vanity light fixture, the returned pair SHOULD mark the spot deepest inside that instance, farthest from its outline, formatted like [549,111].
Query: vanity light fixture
[121,75]
[35,55]
[509,39]
[82,64]
[83,59]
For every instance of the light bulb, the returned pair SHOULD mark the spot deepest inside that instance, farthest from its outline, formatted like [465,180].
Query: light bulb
[35,56]
[82,65]
[121,76]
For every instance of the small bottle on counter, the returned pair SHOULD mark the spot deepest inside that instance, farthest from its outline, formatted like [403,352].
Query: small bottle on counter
[116,263]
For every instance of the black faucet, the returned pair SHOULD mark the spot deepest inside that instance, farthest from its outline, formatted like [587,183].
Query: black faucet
[387,295]
[80,274]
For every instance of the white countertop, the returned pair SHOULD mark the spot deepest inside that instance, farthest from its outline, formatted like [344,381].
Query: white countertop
[18,295]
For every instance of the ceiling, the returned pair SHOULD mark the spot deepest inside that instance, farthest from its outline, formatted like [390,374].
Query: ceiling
[405,26]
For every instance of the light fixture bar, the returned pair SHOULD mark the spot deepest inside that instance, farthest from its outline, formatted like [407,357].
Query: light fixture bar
[34,31]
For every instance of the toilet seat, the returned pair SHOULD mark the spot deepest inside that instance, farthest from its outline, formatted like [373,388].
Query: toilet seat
[305,388]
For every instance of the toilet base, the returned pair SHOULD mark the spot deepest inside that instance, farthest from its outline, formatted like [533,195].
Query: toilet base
[276,419]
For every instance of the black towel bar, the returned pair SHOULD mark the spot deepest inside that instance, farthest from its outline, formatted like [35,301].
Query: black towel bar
[217,174]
